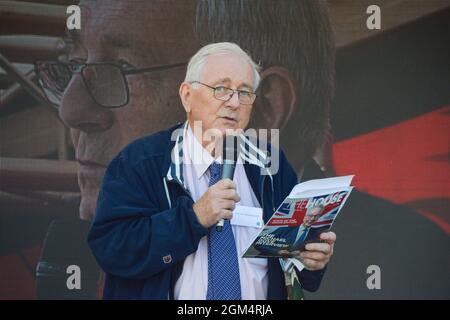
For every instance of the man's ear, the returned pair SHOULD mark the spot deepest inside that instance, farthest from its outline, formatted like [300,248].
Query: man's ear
[276,98]
[185,95]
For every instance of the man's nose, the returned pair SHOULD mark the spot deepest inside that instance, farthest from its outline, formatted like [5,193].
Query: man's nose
[79,111]
[234,100]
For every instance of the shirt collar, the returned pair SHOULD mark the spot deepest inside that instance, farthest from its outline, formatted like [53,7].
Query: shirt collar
[196,154]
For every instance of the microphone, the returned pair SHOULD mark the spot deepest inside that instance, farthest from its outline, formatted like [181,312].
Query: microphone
[229,155]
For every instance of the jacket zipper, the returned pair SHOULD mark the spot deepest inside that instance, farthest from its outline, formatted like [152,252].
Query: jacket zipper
[169,200]
[262,195]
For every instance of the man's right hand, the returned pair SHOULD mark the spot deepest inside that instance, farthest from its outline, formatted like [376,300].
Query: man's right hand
[217,203]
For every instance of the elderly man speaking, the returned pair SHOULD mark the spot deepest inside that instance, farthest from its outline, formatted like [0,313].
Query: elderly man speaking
[154,231]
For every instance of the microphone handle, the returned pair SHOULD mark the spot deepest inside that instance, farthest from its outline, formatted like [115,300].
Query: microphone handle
[228,170]
[227,173]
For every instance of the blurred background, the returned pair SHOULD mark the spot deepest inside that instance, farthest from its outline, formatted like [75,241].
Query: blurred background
[390,122]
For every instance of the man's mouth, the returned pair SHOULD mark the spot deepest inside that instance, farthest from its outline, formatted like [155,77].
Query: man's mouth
[230,119]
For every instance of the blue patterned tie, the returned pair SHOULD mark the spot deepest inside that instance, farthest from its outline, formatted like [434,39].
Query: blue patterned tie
[223,267]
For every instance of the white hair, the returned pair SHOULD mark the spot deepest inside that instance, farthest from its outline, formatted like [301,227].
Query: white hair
[197,62]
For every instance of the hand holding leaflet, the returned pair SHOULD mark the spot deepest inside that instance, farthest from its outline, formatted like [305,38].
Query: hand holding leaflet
[307,211]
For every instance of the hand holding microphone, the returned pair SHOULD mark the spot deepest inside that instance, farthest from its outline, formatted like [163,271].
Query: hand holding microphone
[219,200]
[217,203]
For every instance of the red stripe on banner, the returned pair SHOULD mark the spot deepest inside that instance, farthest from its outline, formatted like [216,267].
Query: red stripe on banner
[17,276]
[402,163]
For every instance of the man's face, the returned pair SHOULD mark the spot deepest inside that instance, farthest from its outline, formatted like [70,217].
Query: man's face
[142,34]
[312,216]
[224,70]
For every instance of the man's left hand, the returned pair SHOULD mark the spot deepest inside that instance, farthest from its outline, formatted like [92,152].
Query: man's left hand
[316,255]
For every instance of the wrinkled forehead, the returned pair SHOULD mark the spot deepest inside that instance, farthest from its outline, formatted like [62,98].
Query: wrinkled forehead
[159,28]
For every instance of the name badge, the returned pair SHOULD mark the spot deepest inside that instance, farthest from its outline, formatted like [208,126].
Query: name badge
[247,217]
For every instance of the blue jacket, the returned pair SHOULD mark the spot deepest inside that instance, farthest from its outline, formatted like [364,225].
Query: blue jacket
[145,226]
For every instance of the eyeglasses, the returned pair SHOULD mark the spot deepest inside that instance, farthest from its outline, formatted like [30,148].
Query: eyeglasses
[106,82]
[225,94]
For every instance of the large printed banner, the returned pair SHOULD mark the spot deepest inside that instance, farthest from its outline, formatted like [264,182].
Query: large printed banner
[351,87]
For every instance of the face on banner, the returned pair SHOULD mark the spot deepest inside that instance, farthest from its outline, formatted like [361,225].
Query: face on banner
[155,33]
[111,99]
